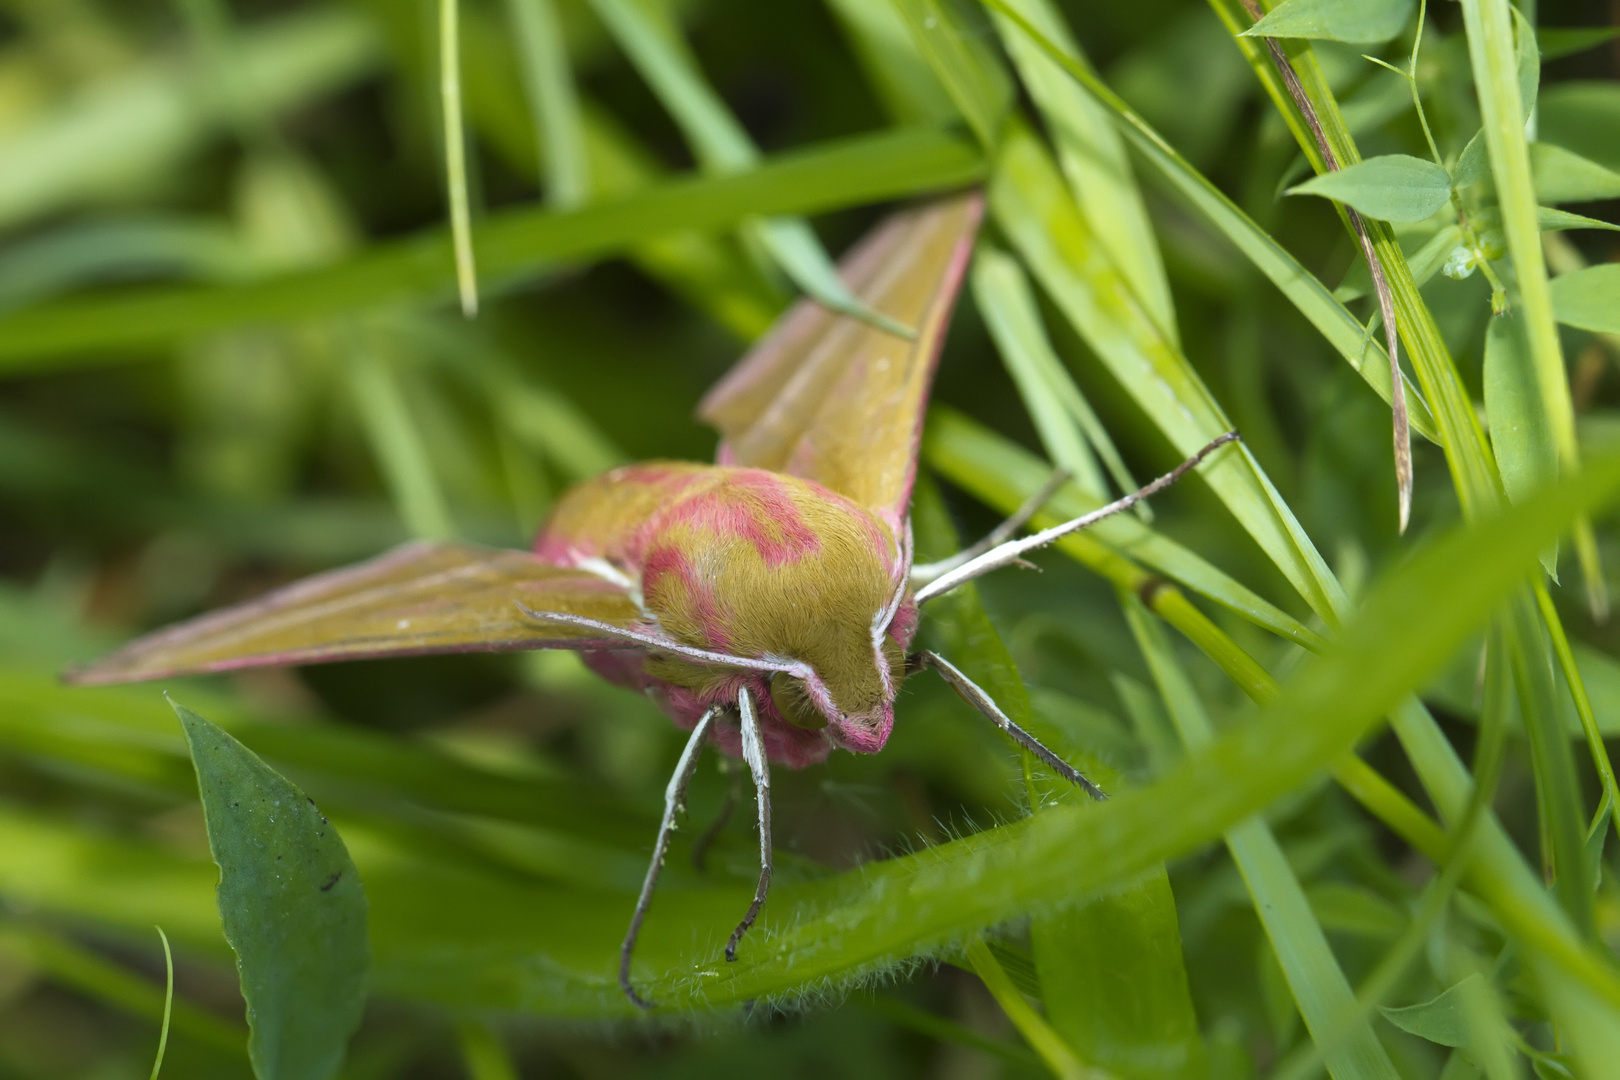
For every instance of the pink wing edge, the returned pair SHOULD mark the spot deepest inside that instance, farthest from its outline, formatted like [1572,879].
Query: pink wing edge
[104,671]
[793,326]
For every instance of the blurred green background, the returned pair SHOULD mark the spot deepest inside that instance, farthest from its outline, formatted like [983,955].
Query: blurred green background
[231,355]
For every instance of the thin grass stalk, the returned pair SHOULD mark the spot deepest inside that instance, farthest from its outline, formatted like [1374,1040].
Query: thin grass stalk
[455,155]
[1057,1055]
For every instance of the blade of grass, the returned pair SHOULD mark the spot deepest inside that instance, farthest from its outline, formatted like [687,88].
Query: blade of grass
[993,469]
[549,82]
[396,444]
[970,73]
[168,1005]
[1092,156]
[455,155]
[1490,27]
[512,244]
[647,34]
[1312,299]
[1319,985]
[1033,208]
[1056,1053]
[1583,702]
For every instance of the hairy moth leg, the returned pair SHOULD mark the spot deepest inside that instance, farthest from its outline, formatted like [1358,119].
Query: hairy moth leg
[1013,550]
[674,797]
[926,572]
[970,692]
[753,748]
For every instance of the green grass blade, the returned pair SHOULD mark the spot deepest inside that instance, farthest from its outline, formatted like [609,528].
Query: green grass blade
[483,1051]
[899,75]
[646,32]
[1313,299]
[1092,155]
[292,905]
[455,155]
[396,443]
[512,244]
[1002,294]
[168,1004]
[971,74]
[1003,475]
[1319,985]
[549,82]
[1057,1054]
[1033,208]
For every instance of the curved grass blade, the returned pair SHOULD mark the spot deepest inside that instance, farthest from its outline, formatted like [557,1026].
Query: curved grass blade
[455,155]
[644,29]
[549,83]
[510,244]
[970,73]
[292,905]
[168,1004]
[1318,983]
[1034,210]
[1313,299]
[1003,475]
[1057,1054]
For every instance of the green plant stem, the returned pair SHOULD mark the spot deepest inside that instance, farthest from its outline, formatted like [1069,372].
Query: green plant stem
[1583,703]
[1056,1053]
[455,155]
[168,1003]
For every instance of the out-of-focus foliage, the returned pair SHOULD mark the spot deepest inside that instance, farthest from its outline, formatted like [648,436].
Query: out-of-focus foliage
[231,353]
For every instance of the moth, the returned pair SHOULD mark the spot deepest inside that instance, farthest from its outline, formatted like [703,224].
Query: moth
[767,602]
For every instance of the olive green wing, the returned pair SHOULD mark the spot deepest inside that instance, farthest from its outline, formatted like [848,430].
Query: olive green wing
[416,599]
[832,399]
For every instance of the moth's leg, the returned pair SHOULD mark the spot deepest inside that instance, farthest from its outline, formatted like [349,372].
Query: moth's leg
[674,797]
[700,849]
[970,692]
[922,574]
[753,748]
[1008,553]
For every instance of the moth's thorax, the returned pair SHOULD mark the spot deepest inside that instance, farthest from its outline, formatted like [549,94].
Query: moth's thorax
[758,564]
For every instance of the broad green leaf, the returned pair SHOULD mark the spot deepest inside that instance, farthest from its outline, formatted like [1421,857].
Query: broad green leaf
[513,243]
[1366,22]
[1583,116]
[1394,187]
[1518,422]
[1034,210]
[971,73]
[1315,979]
[292,905]
[123,129]
[1092,155]
[1564,176]
[1440,1020]
[1589,298]
[1301,288]
[1527,62]
[1556,42]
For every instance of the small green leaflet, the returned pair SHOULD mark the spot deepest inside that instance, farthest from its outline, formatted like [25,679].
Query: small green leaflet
[1365,22]
[292,906]
[1441,1020]
[1564,176]
[1589,299]
[1394,187]
[1560,42]
[1474,166]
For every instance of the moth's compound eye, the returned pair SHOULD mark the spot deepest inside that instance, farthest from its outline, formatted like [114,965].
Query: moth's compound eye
[787,692]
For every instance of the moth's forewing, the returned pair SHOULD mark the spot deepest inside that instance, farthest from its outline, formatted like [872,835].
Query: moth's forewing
[419,598]
[835,400]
